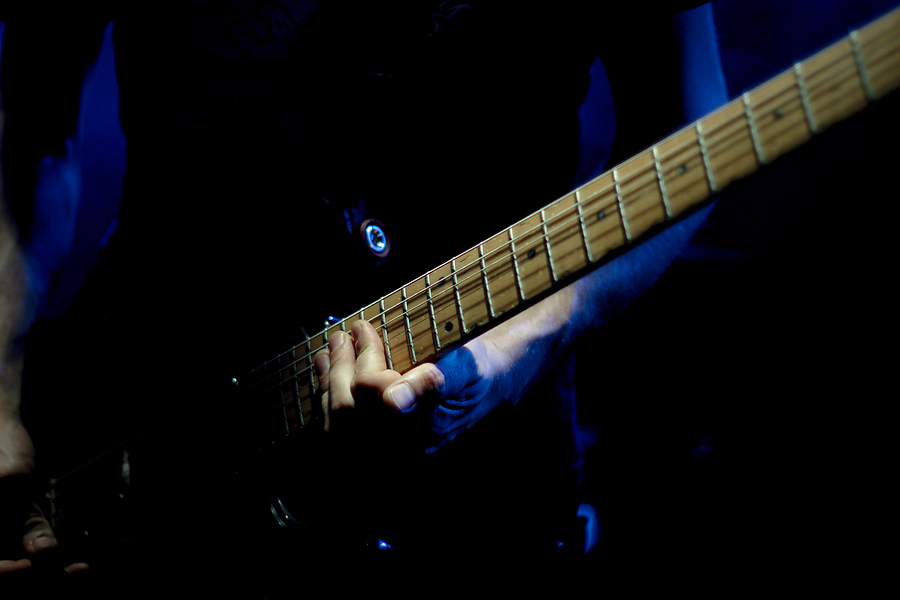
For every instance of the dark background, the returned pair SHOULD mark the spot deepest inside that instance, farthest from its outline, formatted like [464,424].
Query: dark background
[734,436]
[757,40]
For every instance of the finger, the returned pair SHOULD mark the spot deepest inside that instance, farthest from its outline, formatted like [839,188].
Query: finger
[322,365]
[75,567]
[340,373]
[403,394]
[371,363]
[9,566]
[39,535]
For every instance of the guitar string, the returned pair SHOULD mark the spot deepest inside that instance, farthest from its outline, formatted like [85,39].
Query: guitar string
[646,170]
[870,67]
[646,174]
[643,171]
[634,180]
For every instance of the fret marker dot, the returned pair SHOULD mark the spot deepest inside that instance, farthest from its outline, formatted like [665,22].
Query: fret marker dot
[778,112]
[682,169]
[601,215]
[532,253]
[448,326]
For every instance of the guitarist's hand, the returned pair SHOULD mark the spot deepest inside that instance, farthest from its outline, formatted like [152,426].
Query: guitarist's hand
[462,387]
[500,365]
[24,531]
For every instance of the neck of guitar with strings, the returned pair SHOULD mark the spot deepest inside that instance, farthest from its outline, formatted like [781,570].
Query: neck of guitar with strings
[579,231]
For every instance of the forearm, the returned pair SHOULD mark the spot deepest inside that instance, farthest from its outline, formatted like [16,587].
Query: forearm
[16,451]
[13,304]
[547,328]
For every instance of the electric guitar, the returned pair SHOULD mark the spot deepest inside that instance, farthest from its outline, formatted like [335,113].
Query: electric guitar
[542,252]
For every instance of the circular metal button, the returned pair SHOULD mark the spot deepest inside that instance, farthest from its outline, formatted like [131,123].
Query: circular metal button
[375,237]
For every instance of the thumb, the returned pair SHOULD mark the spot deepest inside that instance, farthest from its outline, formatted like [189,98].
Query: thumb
[453,376]
[404,393]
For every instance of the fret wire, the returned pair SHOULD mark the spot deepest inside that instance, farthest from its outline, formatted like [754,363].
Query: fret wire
[618,193]
[434,332]
[484,280]
[409,339]
[546,238]
[515,262]
[459,309]
[583,227]
[881,48]
[384,334]
[705,155]
[852,73]
[754,135]
[725,123]
[804,99]
[662,185]
[848,74]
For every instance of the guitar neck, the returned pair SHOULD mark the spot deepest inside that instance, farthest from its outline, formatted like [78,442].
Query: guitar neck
[575,233]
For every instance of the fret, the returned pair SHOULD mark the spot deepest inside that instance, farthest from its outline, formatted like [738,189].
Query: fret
[683,170]
[729,144]
[471,287]
[601,216]
[397,331]
[515,265]
[659,181]
[502,273]
[804,98]
[547,247]
[384,334]
[456,295]
[445,312]
[434,332]
[487,288]
[532,263]
[621,207]
[754,135]
[582,225]
[780,115]
[861,65]
[833,84]
[566,236]
[880,48]
[409,335]
[704,152]
[639,194]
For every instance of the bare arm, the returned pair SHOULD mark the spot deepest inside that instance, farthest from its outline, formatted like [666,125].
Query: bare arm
[38,198]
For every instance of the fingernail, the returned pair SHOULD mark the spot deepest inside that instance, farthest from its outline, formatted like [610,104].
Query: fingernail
[403,397]
[43,542]
[336,340]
